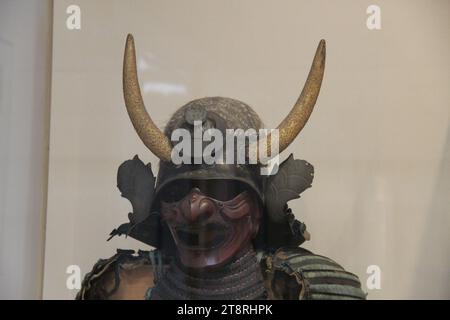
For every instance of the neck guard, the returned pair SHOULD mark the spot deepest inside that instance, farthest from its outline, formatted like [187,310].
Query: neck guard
[239,279]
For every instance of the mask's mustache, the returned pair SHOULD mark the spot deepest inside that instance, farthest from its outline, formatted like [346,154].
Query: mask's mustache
[205,236]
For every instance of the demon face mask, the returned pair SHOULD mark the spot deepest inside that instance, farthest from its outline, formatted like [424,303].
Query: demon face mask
[210,220]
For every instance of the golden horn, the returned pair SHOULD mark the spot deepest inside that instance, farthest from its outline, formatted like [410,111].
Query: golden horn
[150,134]
[294,122]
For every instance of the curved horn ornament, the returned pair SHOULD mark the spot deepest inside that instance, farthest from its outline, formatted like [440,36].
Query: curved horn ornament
[297,118]
[149,133]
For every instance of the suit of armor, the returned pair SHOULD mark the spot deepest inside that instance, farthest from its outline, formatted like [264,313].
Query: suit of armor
[221,230]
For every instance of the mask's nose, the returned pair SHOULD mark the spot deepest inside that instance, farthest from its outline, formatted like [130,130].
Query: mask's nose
[199,207]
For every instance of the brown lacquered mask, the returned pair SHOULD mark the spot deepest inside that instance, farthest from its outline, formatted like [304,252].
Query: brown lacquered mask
[209,232]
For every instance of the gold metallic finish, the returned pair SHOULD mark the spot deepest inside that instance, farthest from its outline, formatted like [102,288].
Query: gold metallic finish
[294,122]
[160,144]
[149,133]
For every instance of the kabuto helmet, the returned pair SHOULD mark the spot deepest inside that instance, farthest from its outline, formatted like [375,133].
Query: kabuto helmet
[137,183]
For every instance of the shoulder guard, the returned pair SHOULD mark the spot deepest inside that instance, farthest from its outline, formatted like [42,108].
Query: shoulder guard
[123,276]
[296,273]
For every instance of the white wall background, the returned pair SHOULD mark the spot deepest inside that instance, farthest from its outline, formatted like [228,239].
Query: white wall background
[379,138]
[25,61]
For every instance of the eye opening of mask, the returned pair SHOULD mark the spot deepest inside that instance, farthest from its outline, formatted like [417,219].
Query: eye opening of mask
[219,189]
